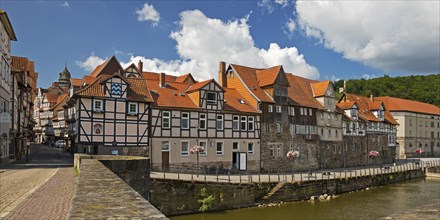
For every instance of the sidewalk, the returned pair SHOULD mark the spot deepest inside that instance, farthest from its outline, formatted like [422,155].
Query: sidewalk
[39,189]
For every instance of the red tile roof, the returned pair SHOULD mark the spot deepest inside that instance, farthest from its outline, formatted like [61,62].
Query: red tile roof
[319,88]
[405,105]
[250,79]
[172,95]
[19,64]
[235,102]
[137,91]
[156,76]
[88,80]
[374,105]
[345,105]
[267,77]
[76,82]
[300,92]
[62,99]
[98,69]
[183,78]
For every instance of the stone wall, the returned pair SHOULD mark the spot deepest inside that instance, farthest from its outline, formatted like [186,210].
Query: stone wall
[175,197]
[101,194]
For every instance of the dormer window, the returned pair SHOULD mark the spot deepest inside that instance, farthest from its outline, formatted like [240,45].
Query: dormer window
[212,97]
[354,113]
[98,105]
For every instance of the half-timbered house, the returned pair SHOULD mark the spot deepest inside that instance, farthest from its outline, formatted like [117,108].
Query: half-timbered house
[186,113]
[110,114]
[373,124]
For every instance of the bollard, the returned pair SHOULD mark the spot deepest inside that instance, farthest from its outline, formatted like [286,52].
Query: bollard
[192,177]
[229,177]
[301,178]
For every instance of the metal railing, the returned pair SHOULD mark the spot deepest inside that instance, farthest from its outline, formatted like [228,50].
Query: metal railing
[225,176]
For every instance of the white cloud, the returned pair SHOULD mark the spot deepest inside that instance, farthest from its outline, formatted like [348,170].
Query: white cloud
[65,4]
[266,5]
[283,3]
[91,62]
[290,27]
[148,13]
[388,35]
[203,42]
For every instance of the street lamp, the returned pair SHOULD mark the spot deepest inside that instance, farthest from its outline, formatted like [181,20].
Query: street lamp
[197,150]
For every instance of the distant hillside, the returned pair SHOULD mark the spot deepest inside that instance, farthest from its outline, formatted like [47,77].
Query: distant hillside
[418,88]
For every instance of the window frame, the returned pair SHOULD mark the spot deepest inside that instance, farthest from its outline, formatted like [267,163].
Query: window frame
[278,109]
[269,108]
[217,120]
[253,147]
[101,109]
[209,101]
[204,119]
[182,153]
[162,148]
[182,119]
[136,107]
[219,153]
[205,148]
[236,119]
[251,122]
[278,128]
[243,122]
[166,118]
[238,146]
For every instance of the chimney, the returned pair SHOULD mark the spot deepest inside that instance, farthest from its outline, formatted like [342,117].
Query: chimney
[162,80]
[345,85]
[221,75]
[140,66]
[371,98]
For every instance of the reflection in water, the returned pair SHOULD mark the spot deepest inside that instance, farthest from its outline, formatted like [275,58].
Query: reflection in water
[367,204]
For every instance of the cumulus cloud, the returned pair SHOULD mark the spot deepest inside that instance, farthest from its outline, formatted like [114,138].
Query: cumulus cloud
[203,42]
[65,4]
[388,35]
[148,13]
[91,62]
[369,76]
[290,27]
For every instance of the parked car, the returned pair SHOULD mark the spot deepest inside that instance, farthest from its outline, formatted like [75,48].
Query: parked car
[60,144]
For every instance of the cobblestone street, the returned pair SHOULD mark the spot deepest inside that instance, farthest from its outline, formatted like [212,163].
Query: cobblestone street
[40,189]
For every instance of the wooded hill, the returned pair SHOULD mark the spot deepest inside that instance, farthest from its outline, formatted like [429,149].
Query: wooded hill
[419,88]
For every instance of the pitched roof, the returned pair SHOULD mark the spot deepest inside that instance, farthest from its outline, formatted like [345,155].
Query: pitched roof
[104,67]
[88,80]
[250,79]
[405,105]
[53,93]
[346,105]
[319,88]
[183,78]
[7,25]
[19,64]
[199,85]
[267,77]
[300,92]
[137,91]
[98,69]
[374,105]
[76,82]
[235,102]
[60,102]
[172,95]
[156,76]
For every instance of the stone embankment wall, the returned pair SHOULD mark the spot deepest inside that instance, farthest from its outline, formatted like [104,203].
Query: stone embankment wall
[174,197]
[112,187]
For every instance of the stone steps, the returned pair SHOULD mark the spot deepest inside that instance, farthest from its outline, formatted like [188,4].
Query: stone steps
[274,190]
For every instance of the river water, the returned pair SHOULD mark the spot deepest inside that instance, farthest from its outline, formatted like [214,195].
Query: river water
[367,204]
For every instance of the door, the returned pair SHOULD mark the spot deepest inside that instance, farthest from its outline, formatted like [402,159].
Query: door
[165,160]
[235,160]
[432,149]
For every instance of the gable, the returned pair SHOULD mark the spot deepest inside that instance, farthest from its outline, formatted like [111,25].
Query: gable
[115,87]
[330,92]
[132,72]
[281,78]
[109,67]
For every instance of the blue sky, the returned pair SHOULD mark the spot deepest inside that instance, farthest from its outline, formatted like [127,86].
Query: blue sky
[326,40]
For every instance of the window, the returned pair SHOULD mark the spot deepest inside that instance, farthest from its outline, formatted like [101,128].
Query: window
[271,151]
[329,133]
[235,146]
[279,150]
[184,148]
[301,111]
[184,122]
[292,129]
[322,116]
[270,108]
[219,148]
[291,111]
[337,133]
[219,124]
[205,149]
[310,111]
[132,108]
[251,123]
[329,116]
[410,122]
[165,146]
[235,122]
[250,147]
[166,119]
[98,105]
[322,132]
[202,121]
[278,108]
[278,128]
[243,123]
[212,97]
[305,111]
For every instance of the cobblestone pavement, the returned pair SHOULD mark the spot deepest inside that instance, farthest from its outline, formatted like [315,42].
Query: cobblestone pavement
[40,189]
